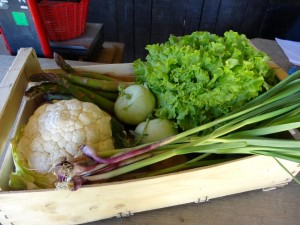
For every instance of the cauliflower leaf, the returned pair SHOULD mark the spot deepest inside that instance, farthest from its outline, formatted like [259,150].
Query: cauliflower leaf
[24,178]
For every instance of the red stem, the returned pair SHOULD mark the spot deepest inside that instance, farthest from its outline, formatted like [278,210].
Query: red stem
[90,152]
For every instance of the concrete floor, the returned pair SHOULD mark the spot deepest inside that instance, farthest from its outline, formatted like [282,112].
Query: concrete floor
[3,49]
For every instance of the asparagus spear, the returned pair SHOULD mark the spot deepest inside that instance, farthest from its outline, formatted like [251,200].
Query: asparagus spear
[73,89]
[56,96]
[47,87]
[62,63]
[104,85]
[97,76]
[109,95]
[77,91]
[66,86]
[69,69]
[122,77]
[99,100]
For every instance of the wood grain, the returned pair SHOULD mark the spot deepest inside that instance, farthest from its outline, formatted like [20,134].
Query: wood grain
[156,20]
[228,10]
[193,16]
[178,17]
[160,26]
[125,20]
[209,15]
[253,15]
[142,27]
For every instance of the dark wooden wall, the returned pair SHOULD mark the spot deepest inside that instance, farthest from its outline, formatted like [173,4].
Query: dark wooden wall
[140,22]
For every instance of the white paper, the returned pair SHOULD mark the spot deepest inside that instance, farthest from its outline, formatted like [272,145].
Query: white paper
[291,49]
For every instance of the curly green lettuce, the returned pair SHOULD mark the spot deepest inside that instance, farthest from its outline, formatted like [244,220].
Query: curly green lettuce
[199,77]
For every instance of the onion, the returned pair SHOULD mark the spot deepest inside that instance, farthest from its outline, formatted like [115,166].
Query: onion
[155,130]
[134,104]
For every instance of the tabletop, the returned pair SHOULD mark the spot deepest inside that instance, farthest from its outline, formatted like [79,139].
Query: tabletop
[260,207]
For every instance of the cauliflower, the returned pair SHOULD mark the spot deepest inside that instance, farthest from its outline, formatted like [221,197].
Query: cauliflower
[58,129]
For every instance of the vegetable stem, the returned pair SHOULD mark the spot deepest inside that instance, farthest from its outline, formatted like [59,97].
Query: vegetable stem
[105,85]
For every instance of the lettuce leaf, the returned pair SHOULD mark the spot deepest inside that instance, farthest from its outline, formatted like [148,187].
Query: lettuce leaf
[199,77]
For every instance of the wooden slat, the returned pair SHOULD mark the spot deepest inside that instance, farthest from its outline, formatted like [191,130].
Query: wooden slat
[231,15]
[126,26]
[178,17]
[142,29]
[281,74]
[121,199]
[27,108]
[160,18]
[193,16]
[279,17]
[108,52]
[12,90]
[105,12]
[118,57]
[209,15]
[255,10]
[160,27]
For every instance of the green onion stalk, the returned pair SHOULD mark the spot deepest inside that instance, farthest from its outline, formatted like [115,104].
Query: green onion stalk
[248,130]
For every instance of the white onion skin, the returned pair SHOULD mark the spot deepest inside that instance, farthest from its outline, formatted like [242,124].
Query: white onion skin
[134,105]
[156,129]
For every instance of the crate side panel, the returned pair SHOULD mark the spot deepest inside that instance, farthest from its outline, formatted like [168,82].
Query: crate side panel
[27,108]
[12,90]
[117,199]
[280,73]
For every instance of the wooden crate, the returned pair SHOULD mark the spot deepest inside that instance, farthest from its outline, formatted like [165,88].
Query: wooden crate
[115,199]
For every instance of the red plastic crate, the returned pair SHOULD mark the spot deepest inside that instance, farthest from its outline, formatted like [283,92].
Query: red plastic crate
[64,20]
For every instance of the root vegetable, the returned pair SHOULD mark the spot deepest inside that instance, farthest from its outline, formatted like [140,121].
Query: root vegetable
[134,104]
[154,130]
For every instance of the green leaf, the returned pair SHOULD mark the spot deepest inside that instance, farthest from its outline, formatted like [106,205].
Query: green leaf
[200,77]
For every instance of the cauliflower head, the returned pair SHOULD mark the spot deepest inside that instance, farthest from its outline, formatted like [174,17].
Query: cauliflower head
[57,130]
